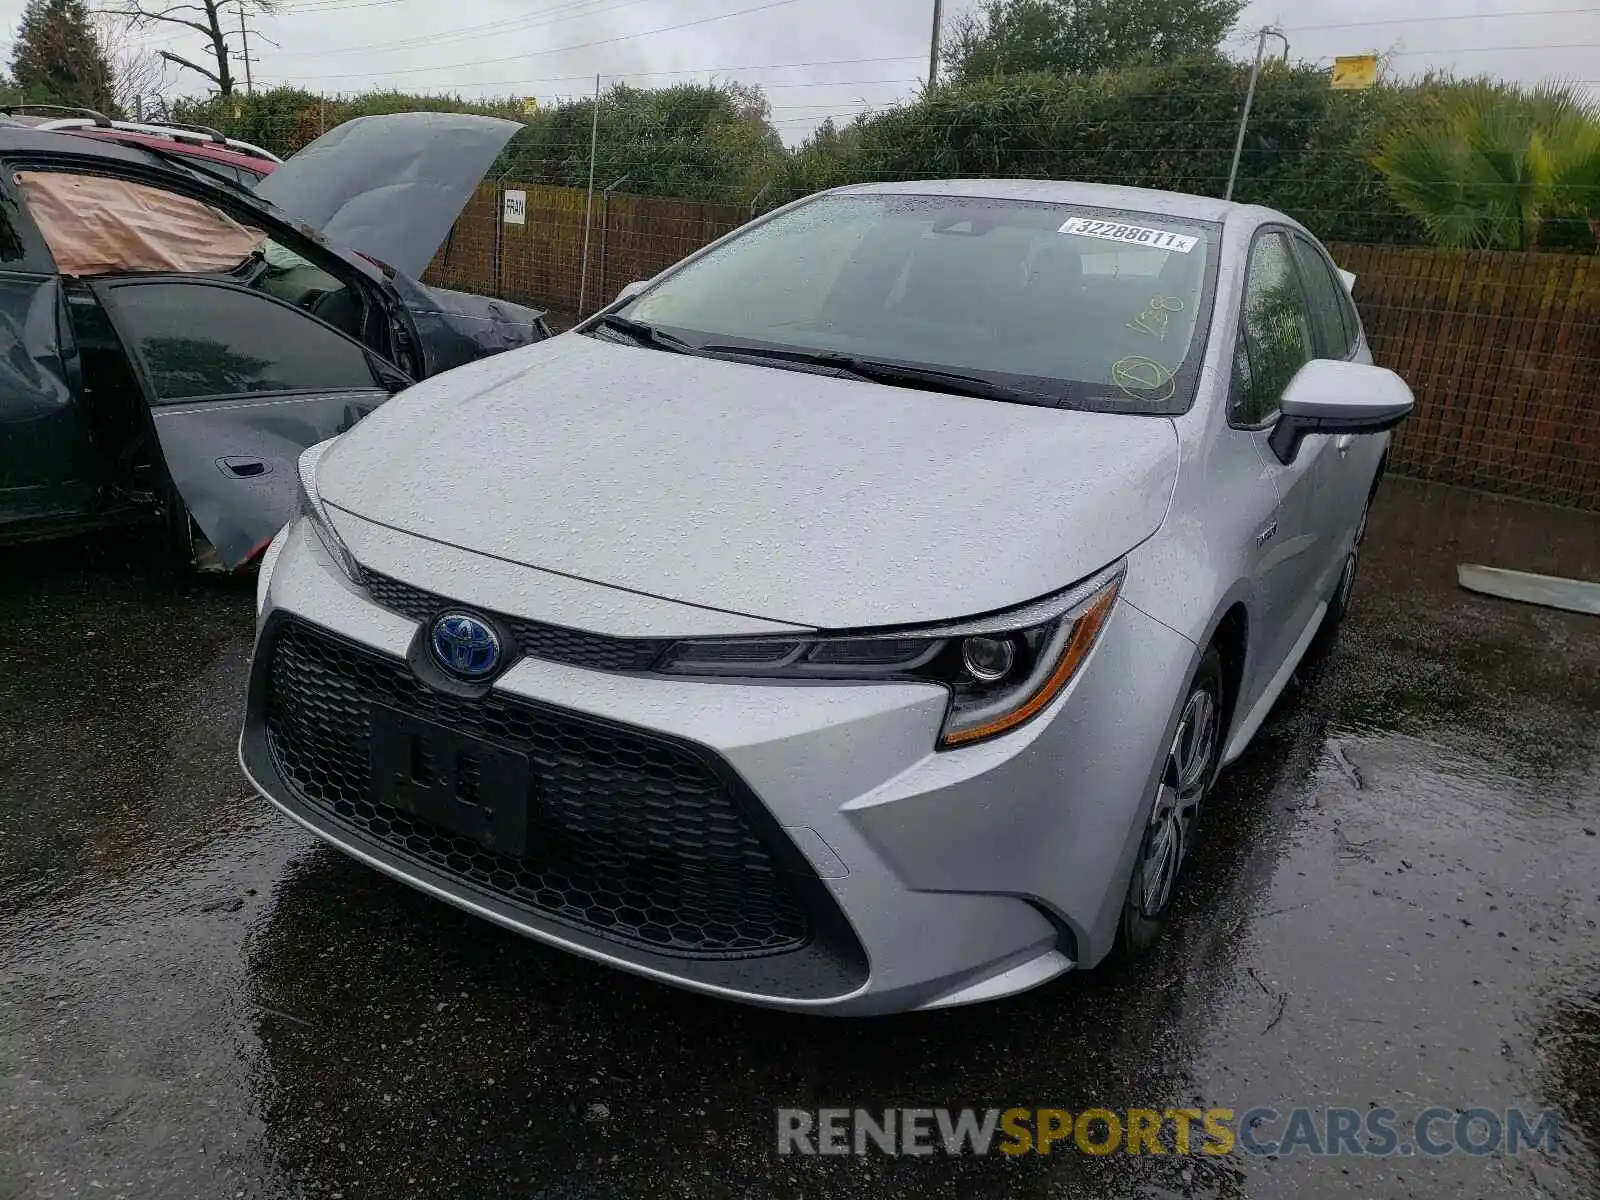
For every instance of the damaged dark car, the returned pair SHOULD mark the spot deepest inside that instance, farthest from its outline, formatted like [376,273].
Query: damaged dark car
[172,345]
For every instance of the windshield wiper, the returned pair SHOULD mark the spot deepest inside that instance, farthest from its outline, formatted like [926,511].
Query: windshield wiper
[870,369]
[895,374]
[647,335]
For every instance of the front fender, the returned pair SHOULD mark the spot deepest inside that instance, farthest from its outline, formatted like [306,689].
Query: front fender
[456,328]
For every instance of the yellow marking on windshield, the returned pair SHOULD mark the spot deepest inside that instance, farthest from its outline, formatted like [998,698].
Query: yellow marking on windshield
[1139,376]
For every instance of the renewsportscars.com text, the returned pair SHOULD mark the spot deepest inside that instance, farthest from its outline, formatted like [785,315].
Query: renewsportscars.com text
[1258,1132]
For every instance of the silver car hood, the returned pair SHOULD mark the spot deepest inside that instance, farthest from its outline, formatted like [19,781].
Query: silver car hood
[796,497]
[390,186]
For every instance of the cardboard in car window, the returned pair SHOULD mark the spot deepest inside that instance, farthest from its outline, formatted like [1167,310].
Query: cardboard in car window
[96,225]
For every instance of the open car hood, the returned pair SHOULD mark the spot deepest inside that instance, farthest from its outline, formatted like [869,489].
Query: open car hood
[390,186]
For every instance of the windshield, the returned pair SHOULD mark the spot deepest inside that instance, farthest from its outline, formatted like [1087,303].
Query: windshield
[1091,308]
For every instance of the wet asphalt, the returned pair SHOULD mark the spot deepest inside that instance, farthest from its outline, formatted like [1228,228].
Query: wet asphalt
[1395,904]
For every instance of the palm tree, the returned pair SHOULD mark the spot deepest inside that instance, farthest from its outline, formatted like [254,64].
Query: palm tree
[1487,165]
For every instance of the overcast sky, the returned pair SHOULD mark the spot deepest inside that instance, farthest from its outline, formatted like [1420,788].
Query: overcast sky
[813,57]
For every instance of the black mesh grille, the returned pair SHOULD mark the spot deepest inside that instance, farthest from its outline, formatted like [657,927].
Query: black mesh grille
[639,839]
[574,647]
[401,597]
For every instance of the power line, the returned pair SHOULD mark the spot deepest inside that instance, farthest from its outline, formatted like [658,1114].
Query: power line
[589,78]
[792,84]
[1547,12]
[1231,94]
[729,70]
[1494,49]
[840,82]
[472,32]
[338,7]
[763,84]
[771,4]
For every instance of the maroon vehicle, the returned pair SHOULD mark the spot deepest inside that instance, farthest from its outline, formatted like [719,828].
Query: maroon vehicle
[204,149]
[176,339]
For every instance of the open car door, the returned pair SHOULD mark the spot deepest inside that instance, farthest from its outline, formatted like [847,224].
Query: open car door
[237,383]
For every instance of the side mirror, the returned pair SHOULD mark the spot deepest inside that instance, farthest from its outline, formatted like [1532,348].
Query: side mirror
[630,290]
[389,377]
[1327,396]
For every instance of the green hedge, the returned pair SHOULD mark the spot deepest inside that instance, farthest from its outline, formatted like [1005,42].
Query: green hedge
[285,119]
[691,141]
[1307,152]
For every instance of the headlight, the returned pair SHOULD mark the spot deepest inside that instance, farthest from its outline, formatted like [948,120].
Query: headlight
[1001,670]
[317,517]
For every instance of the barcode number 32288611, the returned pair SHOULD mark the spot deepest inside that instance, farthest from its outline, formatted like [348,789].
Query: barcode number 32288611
[1137,235]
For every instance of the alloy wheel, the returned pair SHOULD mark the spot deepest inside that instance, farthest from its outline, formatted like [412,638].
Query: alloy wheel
[1347,582]
[1347,577]
[1184,780]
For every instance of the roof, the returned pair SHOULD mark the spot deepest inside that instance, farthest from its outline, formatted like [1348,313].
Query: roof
[145,152]
[191,149]
[1096,195]
[19,139]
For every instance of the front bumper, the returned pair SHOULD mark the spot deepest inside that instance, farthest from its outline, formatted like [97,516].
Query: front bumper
[930,878]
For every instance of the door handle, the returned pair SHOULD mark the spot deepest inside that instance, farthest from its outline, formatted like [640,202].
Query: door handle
[1344,441]
[244,468]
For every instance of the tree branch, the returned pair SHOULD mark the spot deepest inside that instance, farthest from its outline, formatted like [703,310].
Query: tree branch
[138,11]
[184,62]
[139,17]
[206,20]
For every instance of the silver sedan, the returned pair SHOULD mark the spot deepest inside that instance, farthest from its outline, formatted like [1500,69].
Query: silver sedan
[853,618]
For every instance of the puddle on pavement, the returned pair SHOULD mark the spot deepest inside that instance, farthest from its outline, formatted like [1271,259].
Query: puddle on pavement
[1570,1044]
[1395,903]
[117,735]
[1426,932]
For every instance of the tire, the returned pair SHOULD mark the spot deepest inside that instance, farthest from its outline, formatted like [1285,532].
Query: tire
[1344,590]
[1189,767]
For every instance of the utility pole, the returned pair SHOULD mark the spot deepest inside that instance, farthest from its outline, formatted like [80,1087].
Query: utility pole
[1250,99]
[588,209]
[933,50]
[244,37]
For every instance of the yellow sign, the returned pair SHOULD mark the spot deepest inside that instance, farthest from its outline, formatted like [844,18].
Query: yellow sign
[1353,72]
[530,106]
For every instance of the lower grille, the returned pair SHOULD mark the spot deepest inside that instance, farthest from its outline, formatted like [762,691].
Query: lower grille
[638,838]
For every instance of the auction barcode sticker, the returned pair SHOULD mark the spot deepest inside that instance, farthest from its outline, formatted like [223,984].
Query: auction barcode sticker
[1133,235]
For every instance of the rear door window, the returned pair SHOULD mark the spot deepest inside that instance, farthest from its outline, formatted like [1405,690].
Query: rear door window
[1332,318]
